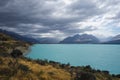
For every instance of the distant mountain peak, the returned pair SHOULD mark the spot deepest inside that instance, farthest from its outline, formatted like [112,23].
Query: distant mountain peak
[77,35]
[117,37]
[83,38]
[114,40]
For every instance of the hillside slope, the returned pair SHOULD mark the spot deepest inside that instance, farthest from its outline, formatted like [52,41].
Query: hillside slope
[23,68]
[19,37]
[7,44]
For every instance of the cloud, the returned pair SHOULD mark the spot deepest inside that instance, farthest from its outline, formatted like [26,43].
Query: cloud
[3,2]
[85,8]
[60,18]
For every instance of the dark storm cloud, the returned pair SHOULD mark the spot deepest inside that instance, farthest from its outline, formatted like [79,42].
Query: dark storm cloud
[46,16]
[37,11]
[85,8]
[3,2]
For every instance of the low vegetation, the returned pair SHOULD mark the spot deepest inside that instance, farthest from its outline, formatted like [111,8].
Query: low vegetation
[22,69]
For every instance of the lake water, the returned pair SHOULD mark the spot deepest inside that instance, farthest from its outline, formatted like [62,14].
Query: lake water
[99,56]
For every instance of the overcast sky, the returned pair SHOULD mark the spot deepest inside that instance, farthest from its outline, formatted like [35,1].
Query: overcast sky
[61,18]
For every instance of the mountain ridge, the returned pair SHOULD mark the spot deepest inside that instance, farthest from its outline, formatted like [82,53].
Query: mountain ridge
[19,37]
[75,39]
[81,39]
[114,40]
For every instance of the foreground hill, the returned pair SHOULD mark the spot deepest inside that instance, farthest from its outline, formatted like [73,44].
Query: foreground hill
[22,68]
[7,44]
[81,39]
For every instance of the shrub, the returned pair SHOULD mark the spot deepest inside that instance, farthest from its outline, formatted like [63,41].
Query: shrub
[6,72]
[16,53]
[85,76]
[51,73]
[23,68]
[41,72]
[106,72]
[1,62]
[118,75]
[88,67]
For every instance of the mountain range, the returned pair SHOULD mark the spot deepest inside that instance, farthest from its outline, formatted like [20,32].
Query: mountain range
[76,39]
[84,38]
[89,39]
[47,40]
[29,39]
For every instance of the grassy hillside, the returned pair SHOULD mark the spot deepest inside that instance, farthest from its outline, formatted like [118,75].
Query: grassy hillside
[23,68]
[8,43]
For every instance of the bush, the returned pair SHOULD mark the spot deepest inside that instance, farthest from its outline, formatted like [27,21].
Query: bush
[1,62]
[105,72]
[6,72]
[118,75]
[40,73]
[85,76]
[88,67]
[51,73]
[16,53]
[23,68]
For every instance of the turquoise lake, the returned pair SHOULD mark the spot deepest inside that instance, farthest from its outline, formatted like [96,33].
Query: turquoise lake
[99,56]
